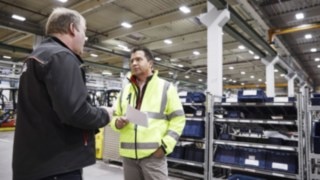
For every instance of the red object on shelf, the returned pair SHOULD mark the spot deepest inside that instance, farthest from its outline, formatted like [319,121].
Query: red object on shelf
[9,123]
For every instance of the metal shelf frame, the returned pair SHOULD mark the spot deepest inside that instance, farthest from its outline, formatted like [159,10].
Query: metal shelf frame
[312,159]
[294,110]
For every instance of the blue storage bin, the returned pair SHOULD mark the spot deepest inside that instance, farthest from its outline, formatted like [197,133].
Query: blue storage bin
[316,138]
[178,152]
[198,97]
[282,161]
[317,95]
[274,140]
[194,129]
[194,154]
[251,157]
[243,177]
[227,154]
[233,114]
[315,101]
[251,96]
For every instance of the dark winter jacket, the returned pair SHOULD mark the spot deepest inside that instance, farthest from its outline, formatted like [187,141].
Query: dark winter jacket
[55,123]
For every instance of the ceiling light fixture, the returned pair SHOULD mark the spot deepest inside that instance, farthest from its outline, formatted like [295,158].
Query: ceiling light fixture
[171,73]
[259,80]
[317,59]
[251,52]
[313,49]
[93,55]
[17,17]
[252,77]
[276,70]
[199,71]
[256,57]
[126,25]
[241,47]
[299,16]
[184,9]
[231,67]
[157,59]
[7,57]
[242,72]
[187,77]
[197,53]
[107,73]
[200,80]
[63,1]
[242,84]
[308,36]
[318,66]
[180,65]
[167,41]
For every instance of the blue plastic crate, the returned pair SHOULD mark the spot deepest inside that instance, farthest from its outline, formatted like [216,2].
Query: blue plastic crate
[227,154]
[178,152]
[315,101]
[282,161]
[316,138]
[243,177]
[198,97]
[251,96]
[251,157]
[194,129]
[194,154]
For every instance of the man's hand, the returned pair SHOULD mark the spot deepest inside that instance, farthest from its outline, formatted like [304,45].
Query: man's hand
[159,153]
[121,123]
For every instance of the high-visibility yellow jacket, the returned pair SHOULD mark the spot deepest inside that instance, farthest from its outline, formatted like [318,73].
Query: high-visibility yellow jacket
[166,118]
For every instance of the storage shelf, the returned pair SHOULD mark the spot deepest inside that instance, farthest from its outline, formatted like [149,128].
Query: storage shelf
[195,118]
[314,156]
[265,172]
[187,173]
[282,104]
[257,121]
[314,108]
[255,145]
[185,162]
[191,139]
[193,104]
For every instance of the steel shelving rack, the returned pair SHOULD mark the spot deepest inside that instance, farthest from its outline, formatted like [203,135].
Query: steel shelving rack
[187,165]
[313,159]
[263,107]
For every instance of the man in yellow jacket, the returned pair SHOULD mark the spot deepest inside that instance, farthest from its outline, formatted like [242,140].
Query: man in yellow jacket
[144,149]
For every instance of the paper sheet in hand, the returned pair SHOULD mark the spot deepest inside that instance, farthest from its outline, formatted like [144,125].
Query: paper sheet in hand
[137,117]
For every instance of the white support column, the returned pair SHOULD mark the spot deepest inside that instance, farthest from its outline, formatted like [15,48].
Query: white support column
[291,85]
[214,20]
[123,75]
[270,90]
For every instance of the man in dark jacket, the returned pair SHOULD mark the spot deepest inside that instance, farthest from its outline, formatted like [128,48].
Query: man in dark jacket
[54,137]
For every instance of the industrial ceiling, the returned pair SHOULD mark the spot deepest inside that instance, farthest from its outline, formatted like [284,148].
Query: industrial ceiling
[245,38]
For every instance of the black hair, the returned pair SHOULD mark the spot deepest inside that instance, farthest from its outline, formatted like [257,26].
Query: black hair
[147,52]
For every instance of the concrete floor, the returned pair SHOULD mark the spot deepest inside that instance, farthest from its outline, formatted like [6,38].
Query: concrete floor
[99,171]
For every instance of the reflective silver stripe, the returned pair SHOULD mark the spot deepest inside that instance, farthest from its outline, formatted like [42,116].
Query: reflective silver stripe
[164,96]
[157,115]
[151,145]
[175,114]
[173,134]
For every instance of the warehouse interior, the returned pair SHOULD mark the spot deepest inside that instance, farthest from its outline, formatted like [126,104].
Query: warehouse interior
[267,46]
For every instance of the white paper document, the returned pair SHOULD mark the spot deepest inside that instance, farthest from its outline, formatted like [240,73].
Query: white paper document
[137,117]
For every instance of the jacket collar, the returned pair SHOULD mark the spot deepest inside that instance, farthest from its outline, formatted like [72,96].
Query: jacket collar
[64,45]
[133,78]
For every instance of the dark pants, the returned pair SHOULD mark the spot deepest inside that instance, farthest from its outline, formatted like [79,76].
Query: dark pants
[73,175]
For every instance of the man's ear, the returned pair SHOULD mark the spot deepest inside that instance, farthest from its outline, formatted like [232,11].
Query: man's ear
[72,29]
[151,64]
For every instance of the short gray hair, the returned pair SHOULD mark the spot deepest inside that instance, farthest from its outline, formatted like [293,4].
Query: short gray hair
[60,19]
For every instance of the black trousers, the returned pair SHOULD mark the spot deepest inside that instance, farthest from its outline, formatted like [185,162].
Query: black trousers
[73,175]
